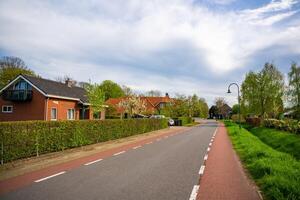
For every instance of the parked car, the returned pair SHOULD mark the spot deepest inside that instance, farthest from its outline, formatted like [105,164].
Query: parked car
[157,117]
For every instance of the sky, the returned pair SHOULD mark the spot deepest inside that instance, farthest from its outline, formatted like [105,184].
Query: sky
[175,46]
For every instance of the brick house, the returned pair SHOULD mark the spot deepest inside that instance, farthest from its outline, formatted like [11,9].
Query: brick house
[34,98]
[153,104]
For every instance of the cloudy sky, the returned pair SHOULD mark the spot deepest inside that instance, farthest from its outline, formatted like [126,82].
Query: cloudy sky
[175,46]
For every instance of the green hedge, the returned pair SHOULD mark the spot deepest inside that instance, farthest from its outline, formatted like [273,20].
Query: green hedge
[292,126]
[186,120]
[30,138]
[276,173]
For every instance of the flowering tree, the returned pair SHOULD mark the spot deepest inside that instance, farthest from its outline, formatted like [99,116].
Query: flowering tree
[133,105]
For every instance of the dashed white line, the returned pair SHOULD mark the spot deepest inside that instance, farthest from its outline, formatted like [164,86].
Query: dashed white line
[149,142]
[208,149]
[201,171]
[205,157]
[42,179]
[158,139]
[194,193]
[137,147]
[89,163]
[210,144]
[166,136]
[119,153]
[211,140]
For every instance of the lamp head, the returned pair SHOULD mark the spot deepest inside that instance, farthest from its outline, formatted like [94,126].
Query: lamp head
[228,91]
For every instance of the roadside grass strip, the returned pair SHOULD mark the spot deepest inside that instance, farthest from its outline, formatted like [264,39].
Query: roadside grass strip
[194,193]
[92,162]
[121,152]
[276,173]
[201,171]
[48,177]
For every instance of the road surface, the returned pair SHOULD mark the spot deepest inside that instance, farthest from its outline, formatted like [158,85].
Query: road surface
[167,168]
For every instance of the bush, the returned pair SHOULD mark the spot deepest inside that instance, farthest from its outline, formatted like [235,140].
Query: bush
[30,138]
[235,118]
[292,126]
[186,120]
[276,173]
[253,121]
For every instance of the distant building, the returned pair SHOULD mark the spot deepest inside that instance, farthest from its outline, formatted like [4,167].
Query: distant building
[223,113]
[33,98]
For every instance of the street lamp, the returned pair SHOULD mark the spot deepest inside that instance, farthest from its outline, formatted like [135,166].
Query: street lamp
[238,100]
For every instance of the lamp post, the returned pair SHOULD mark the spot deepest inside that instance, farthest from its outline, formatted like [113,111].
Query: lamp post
[238,100]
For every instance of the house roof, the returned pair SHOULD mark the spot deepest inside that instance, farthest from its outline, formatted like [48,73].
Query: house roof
[52,88]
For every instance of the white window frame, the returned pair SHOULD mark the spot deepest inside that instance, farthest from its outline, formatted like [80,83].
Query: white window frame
[7,106]
[73,114]
[52,119]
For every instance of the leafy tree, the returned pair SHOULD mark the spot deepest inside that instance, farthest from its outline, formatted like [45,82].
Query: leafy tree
[262,92]
[294,88]
[10,67]
[96,97]
[235,109]
[111,89]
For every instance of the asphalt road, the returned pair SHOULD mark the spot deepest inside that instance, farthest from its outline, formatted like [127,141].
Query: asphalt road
[164,169]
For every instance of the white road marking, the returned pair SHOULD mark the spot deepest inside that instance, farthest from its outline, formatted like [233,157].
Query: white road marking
[215,132]
[208,149]
[205,157]
[201,171]
[194,192]
[158,139]
[210,144]
[42,179]
[119,153]
[137,147]
[149,143]
[89,163]
[166,136]
[211,140]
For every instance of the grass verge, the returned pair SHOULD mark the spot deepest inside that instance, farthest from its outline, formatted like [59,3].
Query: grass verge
[280,140]
[276,173]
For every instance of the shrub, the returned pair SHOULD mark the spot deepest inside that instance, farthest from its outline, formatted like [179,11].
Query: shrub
[235,118]
[29,138]
[186,120]
[292,126]
[253,121]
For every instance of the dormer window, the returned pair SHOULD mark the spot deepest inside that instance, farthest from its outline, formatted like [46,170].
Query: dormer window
[22,85]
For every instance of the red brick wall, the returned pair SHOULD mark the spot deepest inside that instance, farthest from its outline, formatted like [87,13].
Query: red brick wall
[31,110]
[62,107]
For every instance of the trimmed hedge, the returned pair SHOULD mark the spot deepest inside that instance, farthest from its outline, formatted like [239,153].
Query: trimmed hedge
[186,120]
[31,138]
[292,126]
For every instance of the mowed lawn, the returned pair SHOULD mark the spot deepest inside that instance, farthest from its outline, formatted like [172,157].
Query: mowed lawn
[276,172]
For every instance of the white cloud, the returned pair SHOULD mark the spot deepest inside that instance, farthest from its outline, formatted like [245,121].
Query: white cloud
[142,43]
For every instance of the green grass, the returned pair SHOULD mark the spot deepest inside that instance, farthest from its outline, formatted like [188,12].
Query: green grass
[276,173]
[279,140]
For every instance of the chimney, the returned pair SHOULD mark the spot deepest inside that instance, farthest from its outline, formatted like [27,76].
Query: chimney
[70,83]
[167,95]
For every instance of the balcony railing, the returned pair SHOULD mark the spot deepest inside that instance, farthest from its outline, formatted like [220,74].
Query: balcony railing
[17,95]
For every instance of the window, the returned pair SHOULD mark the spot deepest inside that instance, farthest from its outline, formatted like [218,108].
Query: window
[7,109]
[53,114]
[71,114]
[22,85]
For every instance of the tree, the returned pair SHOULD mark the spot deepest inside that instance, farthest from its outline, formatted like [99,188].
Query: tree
[95,97]
[235,109]
[127,90]
[10,67]
[111,89]
[133,105]
[262,92]
[294,88]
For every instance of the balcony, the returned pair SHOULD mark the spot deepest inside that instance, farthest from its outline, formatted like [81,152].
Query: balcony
[17,95]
